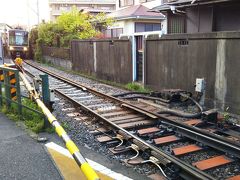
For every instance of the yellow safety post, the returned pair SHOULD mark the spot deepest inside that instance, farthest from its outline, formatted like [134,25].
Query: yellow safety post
[1,76]
[18,61]
[12,81]
[73,149]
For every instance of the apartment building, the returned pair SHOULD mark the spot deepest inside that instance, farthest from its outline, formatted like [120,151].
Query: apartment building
[57,7]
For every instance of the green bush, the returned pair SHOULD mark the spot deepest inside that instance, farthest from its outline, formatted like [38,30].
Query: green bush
[68,26]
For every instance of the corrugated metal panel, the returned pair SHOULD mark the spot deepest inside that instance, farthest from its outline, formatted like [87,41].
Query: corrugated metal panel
[176,24]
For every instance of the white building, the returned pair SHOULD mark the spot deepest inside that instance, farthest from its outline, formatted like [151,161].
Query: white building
[57,7]
[134,16]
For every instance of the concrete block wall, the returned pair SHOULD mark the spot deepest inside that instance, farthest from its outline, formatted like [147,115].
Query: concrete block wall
[175,61]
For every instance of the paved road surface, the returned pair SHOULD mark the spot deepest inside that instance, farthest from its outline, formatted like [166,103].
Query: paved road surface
[21,157]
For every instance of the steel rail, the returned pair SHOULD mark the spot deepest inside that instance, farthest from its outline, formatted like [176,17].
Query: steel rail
[195,133]
[164,158]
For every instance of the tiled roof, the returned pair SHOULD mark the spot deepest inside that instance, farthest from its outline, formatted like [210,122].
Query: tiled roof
[135,11]
[183,3]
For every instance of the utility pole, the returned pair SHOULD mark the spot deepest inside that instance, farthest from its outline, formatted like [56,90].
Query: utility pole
[38,11]
[28,15]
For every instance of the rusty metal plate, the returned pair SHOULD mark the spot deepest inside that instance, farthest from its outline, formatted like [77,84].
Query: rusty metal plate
[103,139]
[166,139]
[134,161]
[119,150]
[234,178]
[148,130]
[156,177]
[193,122]
[186,149]
[212,162]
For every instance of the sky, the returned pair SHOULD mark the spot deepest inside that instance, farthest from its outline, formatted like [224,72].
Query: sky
[23,12]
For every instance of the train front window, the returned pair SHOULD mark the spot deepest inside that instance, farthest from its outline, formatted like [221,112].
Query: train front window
[18,38]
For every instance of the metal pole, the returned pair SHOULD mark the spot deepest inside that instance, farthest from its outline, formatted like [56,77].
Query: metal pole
[73,149]
[46,96]
[38,11]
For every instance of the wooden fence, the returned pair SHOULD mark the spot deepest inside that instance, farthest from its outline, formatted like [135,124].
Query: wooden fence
[105,59]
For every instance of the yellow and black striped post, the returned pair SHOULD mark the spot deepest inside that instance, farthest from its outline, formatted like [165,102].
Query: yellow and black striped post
[1,76]
[12,80]
[72,148]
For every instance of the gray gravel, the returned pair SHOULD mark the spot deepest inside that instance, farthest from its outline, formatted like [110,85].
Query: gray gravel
[79,132]
[226,171]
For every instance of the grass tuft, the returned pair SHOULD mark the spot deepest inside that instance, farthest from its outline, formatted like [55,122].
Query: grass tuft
[136,87]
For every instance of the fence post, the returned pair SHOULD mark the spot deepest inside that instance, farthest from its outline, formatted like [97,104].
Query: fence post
[46,96]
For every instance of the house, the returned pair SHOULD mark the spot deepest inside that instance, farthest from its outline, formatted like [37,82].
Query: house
[134,16]
[194,16]
[57,7]
[134,19]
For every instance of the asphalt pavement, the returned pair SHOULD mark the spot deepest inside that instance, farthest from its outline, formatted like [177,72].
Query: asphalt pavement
[22,157]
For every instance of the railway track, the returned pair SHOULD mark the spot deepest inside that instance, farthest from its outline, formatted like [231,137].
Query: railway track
[178,149]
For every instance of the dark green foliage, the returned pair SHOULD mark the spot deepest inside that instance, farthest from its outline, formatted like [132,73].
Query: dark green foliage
[32,120]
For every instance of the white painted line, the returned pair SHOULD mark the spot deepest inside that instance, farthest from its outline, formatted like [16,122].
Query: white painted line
[96,166]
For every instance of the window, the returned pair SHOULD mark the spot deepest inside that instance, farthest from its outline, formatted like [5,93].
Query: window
[110,33]
[145,27]
[123,3]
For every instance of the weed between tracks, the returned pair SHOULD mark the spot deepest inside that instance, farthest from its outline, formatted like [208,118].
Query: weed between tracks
[32,120]
[136,87]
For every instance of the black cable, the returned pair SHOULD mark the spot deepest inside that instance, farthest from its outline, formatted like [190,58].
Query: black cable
[182,114]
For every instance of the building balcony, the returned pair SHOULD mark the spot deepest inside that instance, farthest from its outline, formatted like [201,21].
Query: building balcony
[97,10]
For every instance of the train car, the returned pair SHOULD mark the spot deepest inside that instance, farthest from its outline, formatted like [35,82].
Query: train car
[18,43]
